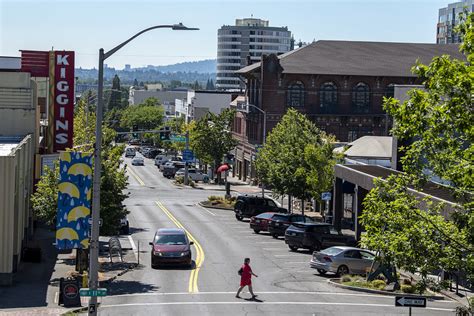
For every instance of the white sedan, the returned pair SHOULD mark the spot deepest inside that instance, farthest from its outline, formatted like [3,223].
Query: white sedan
[138,161]
[194,175]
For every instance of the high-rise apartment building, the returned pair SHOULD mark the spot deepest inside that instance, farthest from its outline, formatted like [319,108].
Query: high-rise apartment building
[244,43]
[448,18]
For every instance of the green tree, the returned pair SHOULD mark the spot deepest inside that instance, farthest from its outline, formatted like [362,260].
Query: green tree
[146,116]
[45,199]
[115,99]
[211,137]
[438,123]
[113,177]
[296,158]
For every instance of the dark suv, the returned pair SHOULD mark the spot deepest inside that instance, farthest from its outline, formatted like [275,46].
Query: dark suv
[279,223]
[315,236]
[251,205]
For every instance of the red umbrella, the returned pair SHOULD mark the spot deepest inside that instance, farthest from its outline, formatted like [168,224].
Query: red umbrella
[223,168]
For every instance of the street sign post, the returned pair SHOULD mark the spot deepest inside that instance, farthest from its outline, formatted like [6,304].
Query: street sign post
[410,301]
[188,155]
[326,196]
[177,139]
[89,292]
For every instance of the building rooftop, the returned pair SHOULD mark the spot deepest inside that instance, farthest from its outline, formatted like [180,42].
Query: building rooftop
[359,58]
[370,147]
[8,144]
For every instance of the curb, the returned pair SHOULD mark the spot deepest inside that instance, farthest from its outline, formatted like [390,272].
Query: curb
[360,289]
[107,281]
[215,207]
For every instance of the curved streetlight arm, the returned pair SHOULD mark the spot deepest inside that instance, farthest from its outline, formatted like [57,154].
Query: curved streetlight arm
[176,27]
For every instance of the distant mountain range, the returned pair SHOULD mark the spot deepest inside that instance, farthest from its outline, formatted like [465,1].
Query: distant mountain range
[186,72]
[202,66]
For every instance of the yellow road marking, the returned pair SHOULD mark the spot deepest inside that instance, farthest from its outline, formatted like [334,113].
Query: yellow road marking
[140,181]
[193,278]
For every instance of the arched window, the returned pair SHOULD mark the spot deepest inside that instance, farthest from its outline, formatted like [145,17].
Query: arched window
[390,91]
[328,94]
[361,96]
[295,94]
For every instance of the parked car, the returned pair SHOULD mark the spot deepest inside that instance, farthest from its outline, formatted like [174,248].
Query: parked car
[279,223]
[315,236]
[260,222]
[247,206]
[170,169]
[130,152]
[138,161]
[161,159]
[169,159]
[195,175]
[343,260]
[170,246]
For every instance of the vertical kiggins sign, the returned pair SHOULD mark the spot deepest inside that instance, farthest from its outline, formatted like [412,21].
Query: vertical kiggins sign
[62,97]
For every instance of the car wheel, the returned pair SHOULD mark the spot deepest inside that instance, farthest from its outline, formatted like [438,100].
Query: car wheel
[293,248]
[205,180]
[256,231]
[275,236]
[321,271]
[342,270]
[239,217]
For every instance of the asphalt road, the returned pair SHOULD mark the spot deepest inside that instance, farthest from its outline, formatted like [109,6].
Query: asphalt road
[286,284]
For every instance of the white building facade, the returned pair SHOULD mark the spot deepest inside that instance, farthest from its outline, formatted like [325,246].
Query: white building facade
[244,43]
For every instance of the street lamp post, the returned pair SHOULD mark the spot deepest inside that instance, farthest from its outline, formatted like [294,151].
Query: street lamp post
[94,242]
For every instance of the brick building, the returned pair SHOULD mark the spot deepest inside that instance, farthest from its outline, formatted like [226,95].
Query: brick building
[339,85]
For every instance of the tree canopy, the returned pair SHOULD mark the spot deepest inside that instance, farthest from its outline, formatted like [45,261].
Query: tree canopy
[211,136]
[297,158]
[438,124]
[146,116]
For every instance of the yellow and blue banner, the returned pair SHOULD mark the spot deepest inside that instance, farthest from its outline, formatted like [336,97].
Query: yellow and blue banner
[74,200]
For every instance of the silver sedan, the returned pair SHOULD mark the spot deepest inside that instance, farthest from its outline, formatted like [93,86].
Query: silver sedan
[342,260]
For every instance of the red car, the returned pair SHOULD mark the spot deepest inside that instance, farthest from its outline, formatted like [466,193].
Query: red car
[260,222]
[171,246]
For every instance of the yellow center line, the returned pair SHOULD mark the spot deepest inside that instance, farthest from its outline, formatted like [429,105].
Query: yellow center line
[140,181]
[193,278]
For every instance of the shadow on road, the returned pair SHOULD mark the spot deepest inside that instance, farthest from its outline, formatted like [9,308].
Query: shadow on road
[175,267]
[129,287]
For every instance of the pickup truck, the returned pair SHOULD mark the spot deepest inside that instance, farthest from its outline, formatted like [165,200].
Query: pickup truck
[315,236]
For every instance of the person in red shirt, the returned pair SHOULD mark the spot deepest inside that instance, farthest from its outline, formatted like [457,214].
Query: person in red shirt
[246,278]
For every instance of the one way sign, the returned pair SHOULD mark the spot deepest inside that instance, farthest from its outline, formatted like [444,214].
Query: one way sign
[410,301]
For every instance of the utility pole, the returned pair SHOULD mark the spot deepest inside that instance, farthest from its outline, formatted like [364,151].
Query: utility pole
[94,240]
[186,174]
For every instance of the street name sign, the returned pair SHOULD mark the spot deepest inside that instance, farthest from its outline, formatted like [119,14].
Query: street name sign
[89,292]
[410,301]
[177,139]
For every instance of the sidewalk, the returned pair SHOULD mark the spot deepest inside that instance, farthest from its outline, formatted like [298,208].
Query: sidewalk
[35,290]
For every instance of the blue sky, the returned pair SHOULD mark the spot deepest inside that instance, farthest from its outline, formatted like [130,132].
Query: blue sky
[85,26]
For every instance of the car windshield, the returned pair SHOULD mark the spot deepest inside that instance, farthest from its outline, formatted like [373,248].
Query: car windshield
[279,218]
[333,251]
[170,240]
[265,215]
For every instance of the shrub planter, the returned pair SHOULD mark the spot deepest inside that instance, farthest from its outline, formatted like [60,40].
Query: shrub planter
[217,206]
[336,283]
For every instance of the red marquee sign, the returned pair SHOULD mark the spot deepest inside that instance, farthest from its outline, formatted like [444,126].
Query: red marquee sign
[63,99]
